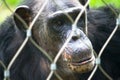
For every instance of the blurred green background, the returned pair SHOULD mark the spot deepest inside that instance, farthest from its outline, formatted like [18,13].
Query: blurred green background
[4,12]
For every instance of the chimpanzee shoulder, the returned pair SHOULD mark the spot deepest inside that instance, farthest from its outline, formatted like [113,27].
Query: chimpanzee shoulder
[101,23]
[7,32]
[11,38]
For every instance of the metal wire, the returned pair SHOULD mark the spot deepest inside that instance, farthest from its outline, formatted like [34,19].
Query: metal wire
[103,48]
[74,25]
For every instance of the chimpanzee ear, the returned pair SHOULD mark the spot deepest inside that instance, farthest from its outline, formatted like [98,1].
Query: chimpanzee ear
[83,2]
[22,16]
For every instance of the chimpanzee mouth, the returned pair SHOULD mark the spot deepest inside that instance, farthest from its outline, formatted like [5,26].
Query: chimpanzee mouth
[82,66]
[82,62]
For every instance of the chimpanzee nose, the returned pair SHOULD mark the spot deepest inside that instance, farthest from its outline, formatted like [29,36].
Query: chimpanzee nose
[76,34]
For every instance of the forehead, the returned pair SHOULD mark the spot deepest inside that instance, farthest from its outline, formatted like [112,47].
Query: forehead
[57,5]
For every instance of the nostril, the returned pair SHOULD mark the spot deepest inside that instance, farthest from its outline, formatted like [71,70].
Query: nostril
[74,38]
[76,35]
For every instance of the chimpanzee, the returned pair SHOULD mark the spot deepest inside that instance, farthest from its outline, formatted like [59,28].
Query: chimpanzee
[50,31]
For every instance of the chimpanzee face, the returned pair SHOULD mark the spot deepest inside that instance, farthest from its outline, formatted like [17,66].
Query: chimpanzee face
[52,29]
[78,55]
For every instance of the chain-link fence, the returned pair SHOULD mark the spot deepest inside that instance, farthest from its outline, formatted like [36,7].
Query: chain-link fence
[54,61]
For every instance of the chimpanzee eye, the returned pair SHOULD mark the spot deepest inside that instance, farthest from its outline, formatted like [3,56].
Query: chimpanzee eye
[58,23]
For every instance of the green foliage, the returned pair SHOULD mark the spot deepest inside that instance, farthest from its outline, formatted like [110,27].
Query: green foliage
[13,2]
[3,9]
[98,3]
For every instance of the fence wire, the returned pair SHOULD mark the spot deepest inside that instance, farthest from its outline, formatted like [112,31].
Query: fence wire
[54,61]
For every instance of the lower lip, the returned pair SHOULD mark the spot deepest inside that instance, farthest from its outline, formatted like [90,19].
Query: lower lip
[82,67]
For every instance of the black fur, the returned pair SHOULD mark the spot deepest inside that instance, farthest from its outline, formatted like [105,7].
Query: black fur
[31,64]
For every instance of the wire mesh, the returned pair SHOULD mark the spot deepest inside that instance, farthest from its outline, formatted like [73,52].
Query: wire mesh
[54,61]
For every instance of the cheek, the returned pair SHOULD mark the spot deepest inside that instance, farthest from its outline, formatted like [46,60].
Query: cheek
[88,43]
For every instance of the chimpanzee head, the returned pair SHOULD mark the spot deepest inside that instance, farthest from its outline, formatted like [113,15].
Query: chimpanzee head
[52,29]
